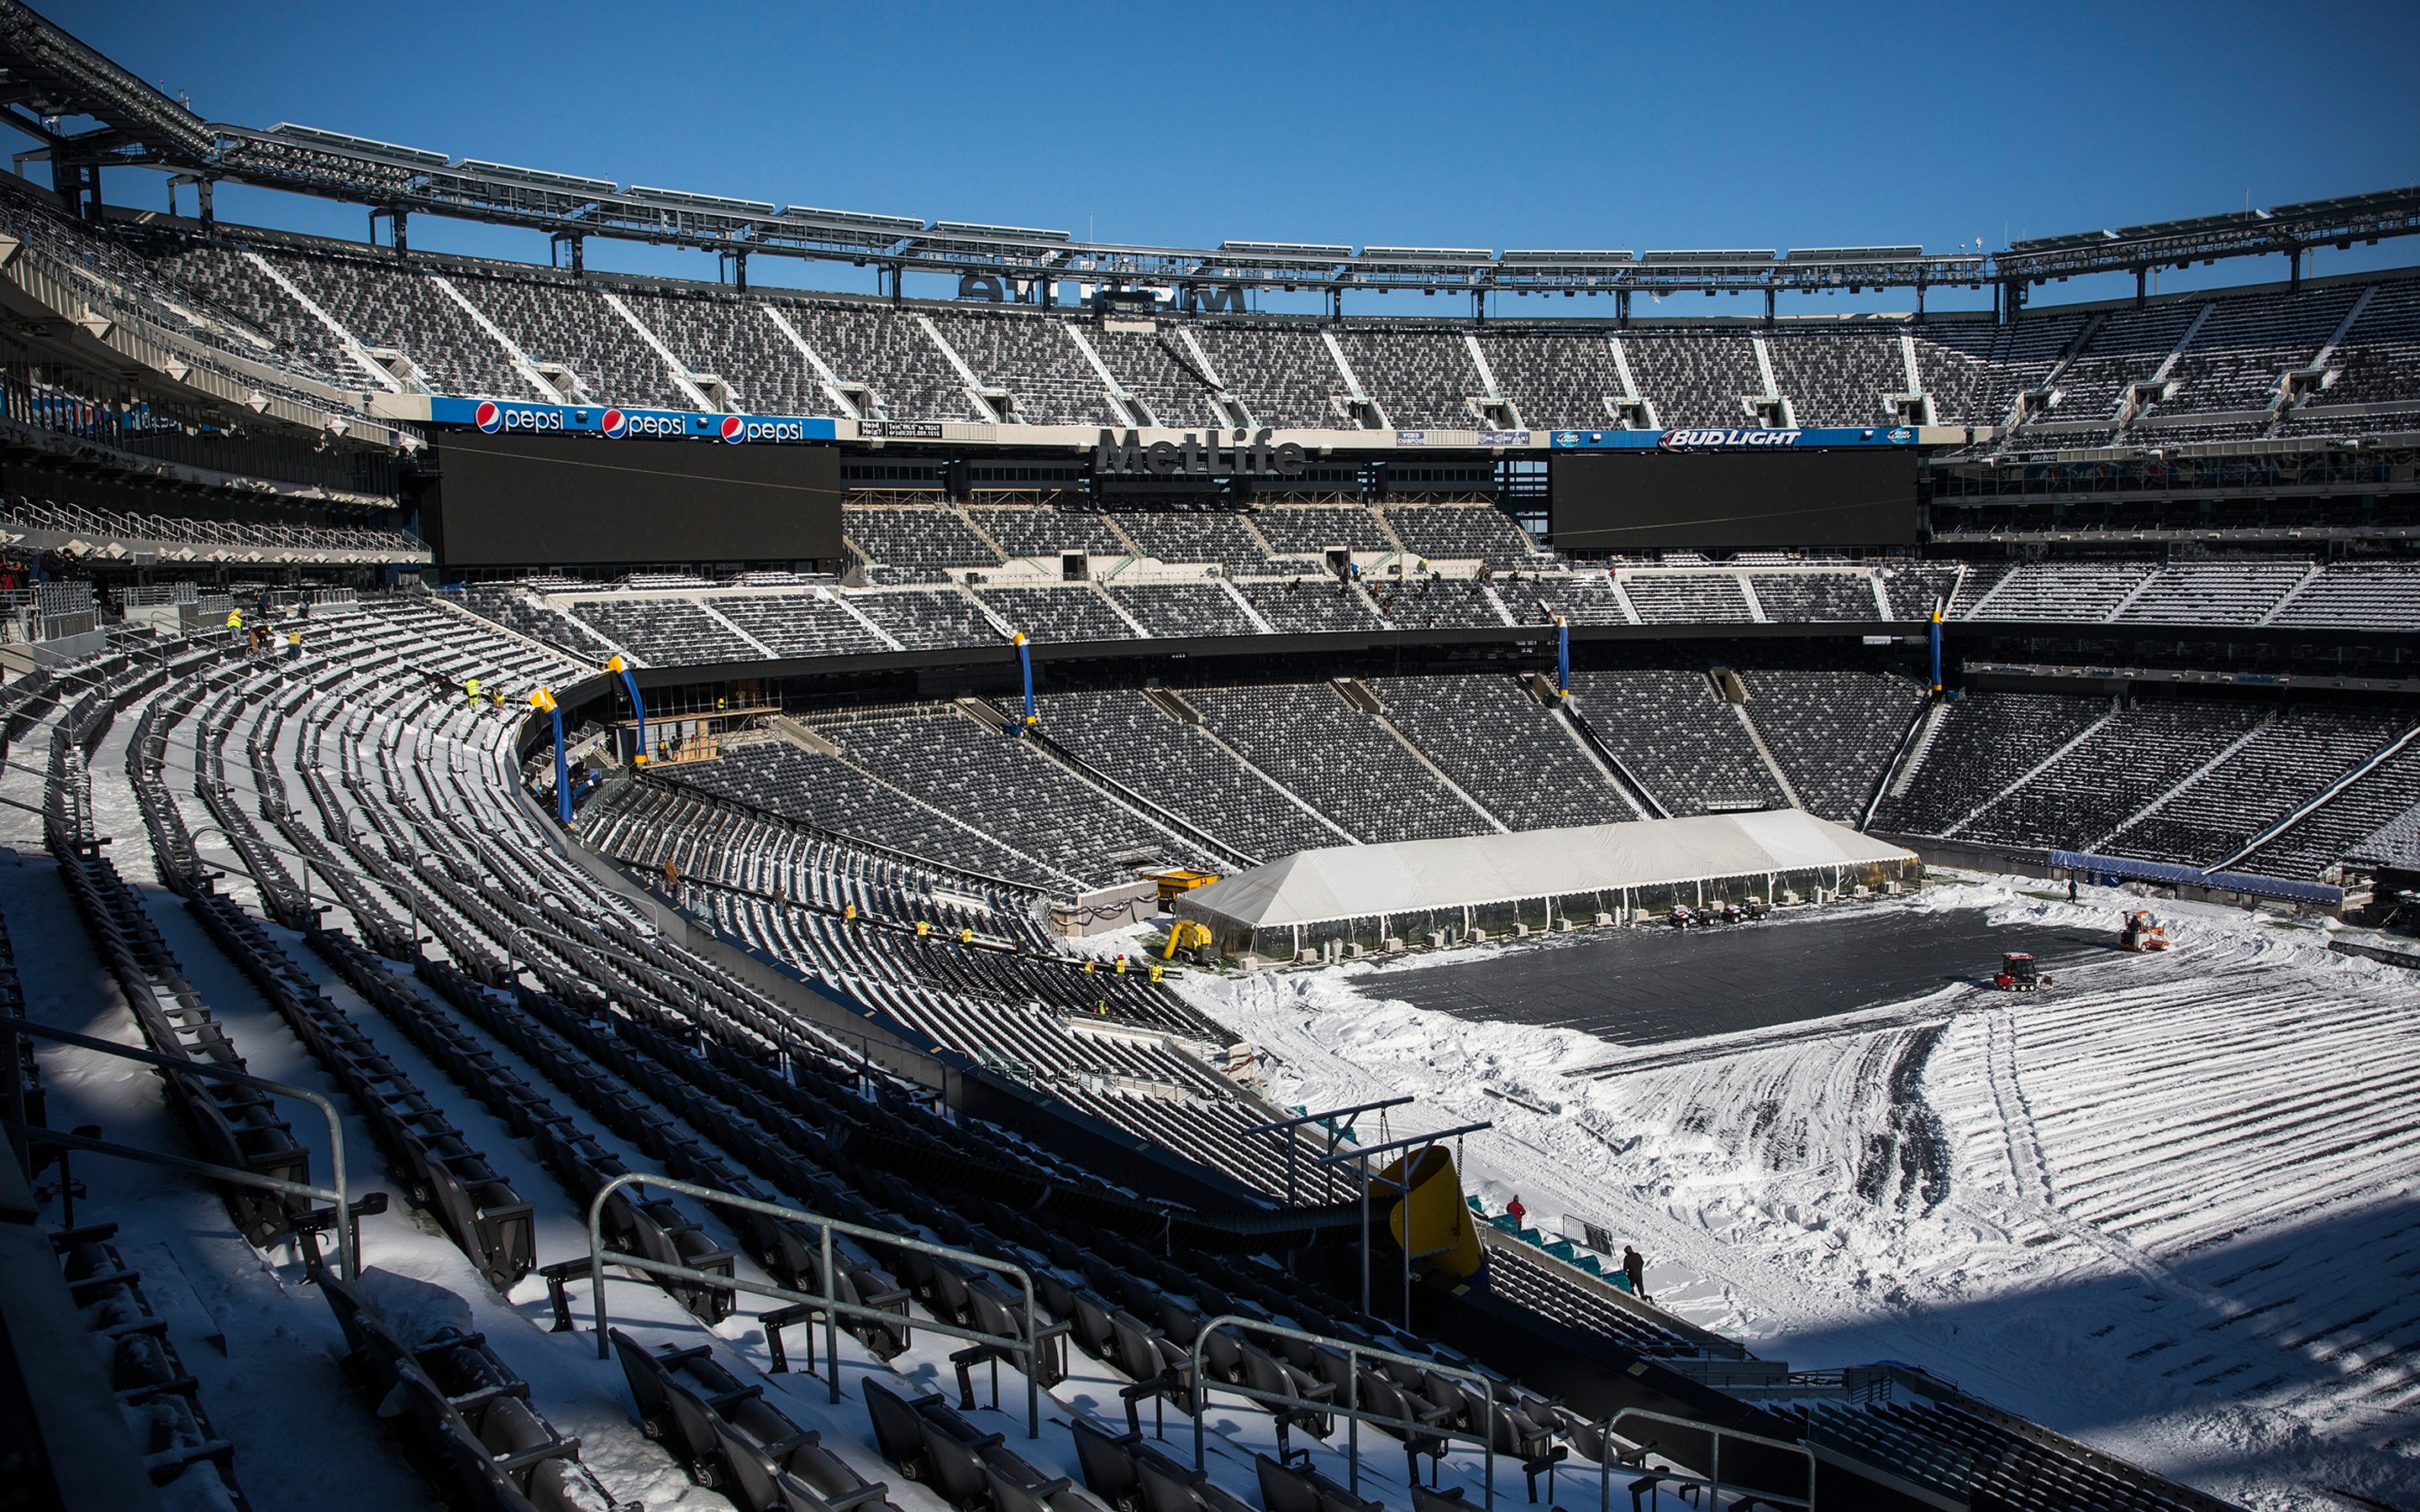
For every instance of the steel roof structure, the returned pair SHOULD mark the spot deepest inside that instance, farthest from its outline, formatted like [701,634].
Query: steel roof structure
[47,76]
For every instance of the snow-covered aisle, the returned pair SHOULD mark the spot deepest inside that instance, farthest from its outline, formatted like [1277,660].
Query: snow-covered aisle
[2170,1207]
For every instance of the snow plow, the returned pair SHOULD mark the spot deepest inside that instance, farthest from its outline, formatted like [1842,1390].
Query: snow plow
[2142,933]
[2019,973]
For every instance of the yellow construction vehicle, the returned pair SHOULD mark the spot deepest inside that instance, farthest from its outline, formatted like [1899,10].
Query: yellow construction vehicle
[1184,935]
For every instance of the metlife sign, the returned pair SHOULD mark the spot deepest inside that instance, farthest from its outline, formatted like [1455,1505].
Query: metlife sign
[507,417]
[1821,439]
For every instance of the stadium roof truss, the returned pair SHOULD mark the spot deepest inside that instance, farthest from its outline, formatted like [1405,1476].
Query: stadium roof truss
[48,77]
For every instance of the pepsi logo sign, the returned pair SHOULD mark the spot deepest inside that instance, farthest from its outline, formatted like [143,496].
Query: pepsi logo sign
[492,417]
[644,423]
[614,423]
[763,430]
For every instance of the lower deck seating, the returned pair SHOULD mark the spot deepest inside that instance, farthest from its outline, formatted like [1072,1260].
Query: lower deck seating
[1834,732]
[832,796]
[1677,737]
[1180,767]
[2314,844]
[2286,762]
[1518,759]
[1985,742]
[1008,788]
[2100,783]
[1344,761]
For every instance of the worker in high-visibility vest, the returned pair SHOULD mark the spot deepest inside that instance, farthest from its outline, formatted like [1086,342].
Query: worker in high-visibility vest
[848,912]
[923,930]
[234,619]
[470,691]
[294,645]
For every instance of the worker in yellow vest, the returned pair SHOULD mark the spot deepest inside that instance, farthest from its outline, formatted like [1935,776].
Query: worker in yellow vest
[470,691]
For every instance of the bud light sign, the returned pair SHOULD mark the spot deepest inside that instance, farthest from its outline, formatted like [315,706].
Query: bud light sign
[498,416]
[1746,440]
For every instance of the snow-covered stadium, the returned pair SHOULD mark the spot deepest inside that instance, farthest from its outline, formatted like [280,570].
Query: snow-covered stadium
[1108,896]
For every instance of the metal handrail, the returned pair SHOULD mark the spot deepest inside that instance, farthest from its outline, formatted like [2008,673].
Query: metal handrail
[1402,1186]
[831,1306]
[347,1262]
[1327,1118]
[1712,1479]
[1351,1410]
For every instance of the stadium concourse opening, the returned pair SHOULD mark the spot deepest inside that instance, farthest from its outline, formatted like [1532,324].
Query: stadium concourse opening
[1374,896]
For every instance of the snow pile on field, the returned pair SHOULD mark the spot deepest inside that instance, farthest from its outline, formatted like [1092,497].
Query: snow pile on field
[2171,1206]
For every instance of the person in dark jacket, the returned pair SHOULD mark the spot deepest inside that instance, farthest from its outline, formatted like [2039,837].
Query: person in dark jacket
[1633,1266]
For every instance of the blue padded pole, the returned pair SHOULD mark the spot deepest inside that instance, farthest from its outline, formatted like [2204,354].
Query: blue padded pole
[1563,656]
[638,711]
[561,772]
[1936,649]
[1025,664]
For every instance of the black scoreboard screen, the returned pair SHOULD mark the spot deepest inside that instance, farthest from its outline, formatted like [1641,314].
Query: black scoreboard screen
[533,499]
[1725,501]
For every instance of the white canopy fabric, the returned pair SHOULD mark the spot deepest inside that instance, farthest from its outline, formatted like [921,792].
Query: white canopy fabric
[1416,876]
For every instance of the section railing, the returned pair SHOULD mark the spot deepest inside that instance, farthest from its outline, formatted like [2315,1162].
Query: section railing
[831,1305]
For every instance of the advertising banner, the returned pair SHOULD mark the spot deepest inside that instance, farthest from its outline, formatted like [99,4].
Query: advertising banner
[1749,439]
[511,417]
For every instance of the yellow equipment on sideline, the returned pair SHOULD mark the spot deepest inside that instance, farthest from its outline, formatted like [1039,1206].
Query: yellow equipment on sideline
[1444,1229]
[1184,935]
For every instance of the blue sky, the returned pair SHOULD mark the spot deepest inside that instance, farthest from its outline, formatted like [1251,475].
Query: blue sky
[1530,126]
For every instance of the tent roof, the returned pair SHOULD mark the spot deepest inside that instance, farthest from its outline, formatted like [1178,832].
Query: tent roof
[1413,877]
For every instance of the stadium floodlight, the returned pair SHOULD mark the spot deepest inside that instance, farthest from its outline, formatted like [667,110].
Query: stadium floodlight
[1285,251]
[2194,226]
[368,147]
[1574,258]
[539,177]
[1852,255]
[898,225]
[682,199]
[1719,255]
[972,230]
[2071,241]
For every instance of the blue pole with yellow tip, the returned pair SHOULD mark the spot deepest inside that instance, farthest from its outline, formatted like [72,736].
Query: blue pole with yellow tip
[544,698]
[638,709]
[1937,648]
[1562,656]
[1025,665]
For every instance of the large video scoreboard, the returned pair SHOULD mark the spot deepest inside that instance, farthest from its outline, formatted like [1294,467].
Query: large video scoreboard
[1648,500]
[573,498]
